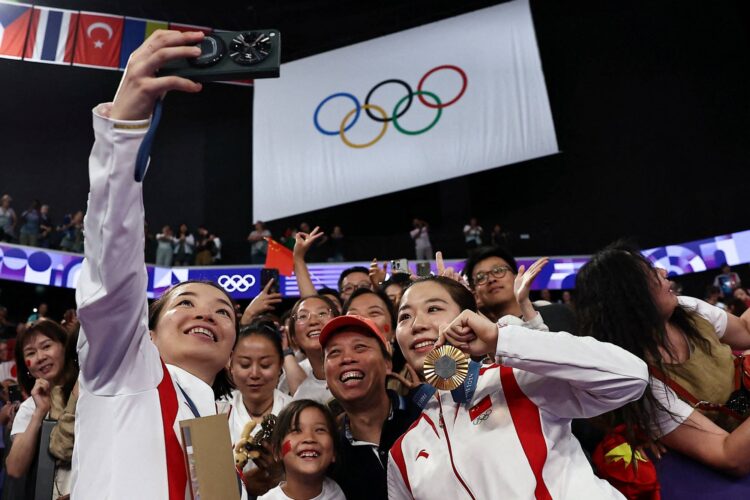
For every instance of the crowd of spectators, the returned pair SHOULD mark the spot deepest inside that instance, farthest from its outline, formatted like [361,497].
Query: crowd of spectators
[35,227]
[370,293]
[180,245]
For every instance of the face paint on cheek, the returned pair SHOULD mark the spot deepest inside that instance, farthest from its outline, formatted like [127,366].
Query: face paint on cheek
[286,447]
[28,363]
[387,328]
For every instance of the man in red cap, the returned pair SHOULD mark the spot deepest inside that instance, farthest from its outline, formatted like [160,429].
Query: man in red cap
[357,361]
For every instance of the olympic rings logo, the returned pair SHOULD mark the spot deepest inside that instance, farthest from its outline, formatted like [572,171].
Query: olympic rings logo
[401,107]
[236,282]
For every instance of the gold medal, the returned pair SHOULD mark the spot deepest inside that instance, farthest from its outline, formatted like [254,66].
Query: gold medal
[446,367]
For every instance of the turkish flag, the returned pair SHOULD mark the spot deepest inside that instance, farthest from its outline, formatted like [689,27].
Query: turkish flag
[98,40]
[279,257]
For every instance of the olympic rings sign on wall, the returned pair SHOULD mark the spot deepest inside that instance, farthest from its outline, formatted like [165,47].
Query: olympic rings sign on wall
[236,282]
[378,114]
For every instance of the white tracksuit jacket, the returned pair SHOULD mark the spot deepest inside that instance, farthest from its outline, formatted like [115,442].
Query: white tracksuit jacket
[513,440]
[127,419]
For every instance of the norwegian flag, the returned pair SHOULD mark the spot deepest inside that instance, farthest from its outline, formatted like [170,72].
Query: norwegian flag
[51,36]
[98,40]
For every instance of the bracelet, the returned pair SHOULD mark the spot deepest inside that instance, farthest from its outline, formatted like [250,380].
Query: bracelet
[288,352]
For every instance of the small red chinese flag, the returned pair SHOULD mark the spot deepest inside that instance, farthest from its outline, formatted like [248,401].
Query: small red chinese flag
[279,257]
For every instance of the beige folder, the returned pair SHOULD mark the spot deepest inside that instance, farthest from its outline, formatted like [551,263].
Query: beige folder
[210,463]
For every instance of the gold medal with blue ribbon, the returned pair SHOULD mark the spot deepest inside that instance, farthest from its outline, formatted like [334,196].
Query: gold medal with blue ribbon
[448,369]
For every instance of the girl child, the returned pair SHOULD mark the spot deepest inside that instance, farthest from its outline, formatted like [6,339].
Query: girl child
[50,374]
[255,369]
[305,441]
[141,371]
[521,408]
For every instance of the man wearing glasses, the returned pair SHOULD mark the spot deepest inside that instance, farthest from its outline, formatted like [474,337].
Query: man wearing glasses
[352,279]
[491,273]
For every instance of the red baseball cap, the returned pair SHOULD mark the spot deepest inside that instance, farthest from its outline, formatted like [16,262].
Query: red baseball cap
[351,322]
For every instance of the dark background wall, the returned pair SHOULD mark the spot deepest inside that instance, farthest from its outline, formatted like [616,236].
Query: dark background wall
[650,102]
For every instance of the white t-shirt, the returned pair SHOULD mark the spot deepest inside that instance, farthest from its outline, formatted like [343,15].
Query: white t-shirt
[314,389]
[421,237]
[331,491]
[23,417]
[284,384]
[62,481]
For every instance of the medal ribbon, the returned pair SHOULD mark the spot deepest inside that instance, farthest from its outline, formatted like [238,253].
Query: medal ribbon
[464,392]
[461,394]
[423,394]
[141,160]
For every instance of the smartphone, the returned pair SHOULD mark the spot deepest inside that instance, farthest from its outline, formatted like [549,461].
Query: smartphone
[267,274]
[423,269]
[14,394]
[400,266]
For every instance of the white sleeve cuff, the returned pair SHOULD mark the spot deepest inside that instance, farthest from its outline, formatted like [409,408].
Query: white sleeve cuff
[101,114]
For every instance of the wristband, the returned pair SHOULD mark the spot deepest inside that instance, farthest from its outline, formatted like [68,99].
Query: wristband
[288,352]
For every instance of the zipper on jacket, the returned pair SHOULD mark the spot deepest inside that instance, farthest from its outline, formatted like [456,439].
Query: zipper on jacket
[450,451]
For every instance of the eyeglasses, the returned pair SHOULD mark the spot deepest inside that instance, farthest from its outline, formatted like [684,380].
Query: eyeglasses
[303,317]
[350,288]
[497,271]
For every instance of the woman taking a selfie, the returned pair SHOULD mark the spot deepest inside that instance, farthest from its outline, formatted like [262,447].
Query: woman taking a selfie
[142,371]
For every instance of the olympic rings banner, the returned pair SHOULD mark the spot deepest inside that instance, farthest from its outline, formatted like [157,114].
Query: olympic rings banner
[439,101]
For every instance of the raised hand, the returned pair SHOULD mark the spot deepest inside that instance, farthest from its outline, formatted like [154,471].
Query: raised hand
[524,279]
[410,381]
[304,241]
[448,272]
[140,87]
[470,332]
[262,303]
[377,275]
[41,395]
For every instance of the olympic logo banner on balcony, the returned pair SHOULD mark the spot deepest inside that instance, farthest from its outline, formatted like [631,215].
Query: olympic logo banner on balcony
[431,103]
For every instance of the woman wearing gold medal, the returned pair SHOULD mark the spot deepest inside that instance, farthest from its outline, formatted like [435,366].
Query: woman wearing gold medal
[501,429]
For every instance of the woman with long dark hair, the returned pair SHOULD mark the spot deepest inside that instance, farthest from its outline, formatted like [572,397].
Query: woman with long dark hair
[621,298]
[508,432]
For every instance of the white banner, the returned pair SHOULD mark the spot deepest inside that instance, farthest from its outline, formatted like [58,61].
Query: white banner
[468,94]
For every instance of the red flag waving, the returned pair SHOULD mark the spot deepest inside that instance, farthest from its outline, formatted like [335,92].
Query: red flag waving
[98,40]
[279,257]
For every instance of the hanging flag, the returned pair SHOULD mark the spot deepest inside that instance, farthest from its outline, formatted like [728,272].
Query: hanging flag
[439,101]
[279,257]
[98,40]
[134,32]
[14,24]
[51,36]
